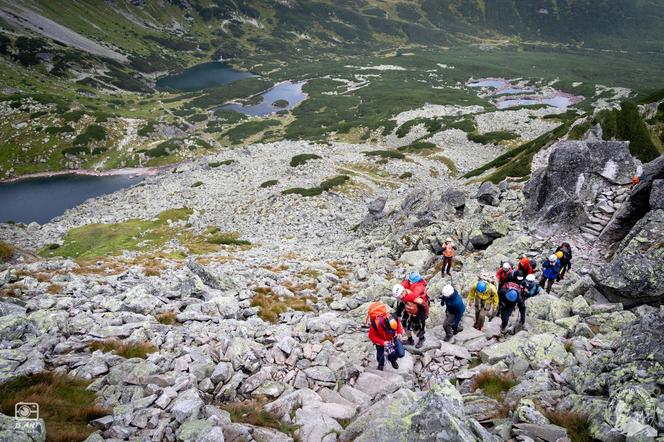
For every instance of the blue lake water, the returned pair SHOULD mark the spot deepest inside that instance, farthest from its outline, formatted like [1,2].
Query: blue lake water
[202,76]
[557,101]
[42,199]
[488,82]
[289,91]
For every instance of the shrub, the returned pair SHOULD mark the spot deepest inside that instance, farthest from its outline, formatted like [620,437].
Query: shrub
[220,163]
[385,154]
[6,251]
[334,182]
[65,403]
[73,116]
[125,349]
[406,175]
[164,148]
[493,384]
[146,130]
[269,183]
[280,103]
[417,146]
[302,158]
[227,239]
[492,137]
[93,132]
[314,191]
[197,184]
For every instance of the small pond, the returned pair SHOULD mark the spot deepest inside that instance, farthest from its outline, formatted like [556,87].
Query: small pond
[283,96]
[42,199]
[559,101]
[495,83]
[202,76]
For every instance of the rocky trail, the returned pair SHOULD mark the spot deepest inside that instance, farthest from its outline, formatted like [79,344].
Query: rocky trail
[278,326]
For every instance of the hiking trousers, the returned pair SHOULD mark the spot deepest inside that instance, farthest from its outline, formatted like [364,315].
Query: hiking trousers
[546,284]
[451,325]
[447,265]
[481,310]
[399,352]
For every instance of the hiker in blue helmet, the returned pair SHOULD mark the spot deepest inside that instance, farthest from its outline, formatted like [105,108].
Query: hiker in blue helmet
[511,296]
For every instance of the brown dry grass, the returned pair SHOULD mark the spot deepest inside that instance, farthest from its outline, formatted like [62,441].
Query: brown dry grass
[276,268]
[345,289]
[340,269]
[252,413]
[125,349]
[577,424]
[54,289]
[167,318]
[329,338]
[64,403]
[297,288]
[270,306]
[6,251]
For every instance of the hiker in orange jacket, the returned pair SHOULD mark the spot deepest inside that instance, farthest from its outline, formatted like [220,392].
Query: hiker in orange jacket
[448,256]
[385,332]
[413,307]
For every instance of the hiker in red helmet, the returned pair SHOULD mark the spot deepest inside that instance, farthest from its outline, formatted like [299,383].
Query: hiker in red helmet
[525,267]
[385,331]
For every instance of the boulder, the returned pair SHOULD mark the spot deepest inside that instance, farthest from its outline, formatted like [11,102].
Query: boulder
[454,198]
[635,275]
[22,430]
[638,203]
[576,172]
[15,328]
[488,193]
[138,299]
[375,207]
[316,427]
[187,406]
[417,260]
[199,430]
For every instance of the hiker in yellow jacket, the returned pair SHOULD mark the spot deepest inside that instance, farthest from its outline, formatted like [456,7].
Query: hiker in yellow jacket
[484,297]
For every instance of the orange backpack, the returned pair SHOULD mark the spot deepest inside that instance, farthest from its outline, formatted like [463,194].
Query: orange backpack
[376,310]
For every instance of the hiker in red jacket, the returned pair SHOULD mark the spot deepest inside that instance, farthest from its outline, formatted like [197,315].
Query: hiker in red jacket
[385,332]
[414,307]
[504,274]
[525,267]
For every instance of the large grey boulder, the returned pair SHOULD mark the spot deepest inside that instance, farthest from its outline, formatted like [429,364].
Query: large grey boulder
[187,406]
[635,275]
[488,193]
[454,198]
[21,430]
[638,203]
[627,380]
[418,260]
[375,207]
[576,172]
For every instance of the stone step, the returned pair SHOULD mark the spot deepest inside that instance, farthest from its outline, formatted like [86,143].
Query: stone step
[589,236]
[589,231]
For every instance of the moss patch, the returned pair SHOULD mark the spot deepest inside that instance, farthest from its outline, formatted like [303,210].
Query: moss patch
[270,305]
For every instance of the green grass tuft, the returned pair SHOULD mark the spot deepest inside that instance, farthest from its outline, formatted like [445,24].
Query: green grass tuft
[385,154]
[493,384]
[127,350]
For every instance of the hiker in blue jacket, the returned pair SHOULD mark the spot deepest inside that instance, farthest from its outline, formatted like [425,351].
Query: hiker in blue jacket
[455,309]
[551,272]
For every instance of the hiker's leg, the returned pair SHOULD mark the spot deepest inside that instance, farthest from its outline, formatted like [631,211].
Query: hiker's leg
[542,281]
[505,314]
[380,355]
[549,284]
[447,325]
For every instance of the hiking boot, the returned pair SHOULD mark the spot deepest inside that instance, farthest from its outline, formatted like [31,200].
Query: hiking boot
[380,368]
[447,338]
[420,343]
[395,365]
[458,330]
[410,341]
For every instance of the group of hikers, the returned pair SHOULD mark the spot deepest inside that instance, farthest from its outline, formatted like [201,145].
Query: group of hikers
[512,286]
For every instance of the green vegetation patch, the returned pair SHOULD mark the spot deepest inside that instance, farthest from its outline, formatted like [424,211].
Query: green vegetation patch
[627,124]
[214,164]
[492,137]
[164,148]
[517,162]
[326,185]
[65,403]
[302,158]
[269,183]
[253,413]
[385,154]
[93,132]
[494,385]
[270,305]
[577,424]
[147,129]
[239,133]
[418,147]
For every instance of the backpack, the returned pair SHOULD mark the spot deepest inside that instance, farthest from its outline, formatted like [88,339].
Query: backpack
[376,310]
[411,308]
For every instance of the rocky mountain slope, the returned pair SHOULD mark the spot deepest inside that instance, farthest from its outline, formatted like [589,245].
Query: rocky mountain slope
[269,321]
